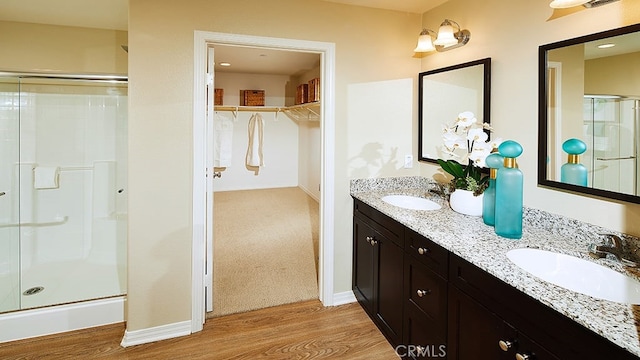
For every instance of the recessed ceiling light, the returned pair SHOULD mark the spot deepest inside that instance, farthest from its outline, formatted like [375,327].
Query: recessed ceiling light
[225,64]
[604,46]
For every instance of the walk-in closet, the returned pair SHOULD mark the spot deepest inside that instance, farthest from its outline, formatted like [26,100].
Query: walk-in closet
[266,187]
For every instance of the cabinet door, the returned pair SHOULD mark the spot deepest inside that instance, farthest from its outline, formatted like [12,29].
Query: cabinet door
[475,332]
[388,298]
[363,264]
[422,340]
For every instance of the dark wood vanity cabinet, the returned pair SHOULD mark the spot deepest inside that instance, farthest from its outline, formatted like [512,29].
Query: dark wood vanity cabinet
[430,303]
[489,319]
[378,269]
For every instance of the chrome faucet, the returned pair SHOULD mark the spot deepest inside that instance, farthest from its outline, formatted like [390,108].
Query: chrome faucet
[438,189]
[612,248]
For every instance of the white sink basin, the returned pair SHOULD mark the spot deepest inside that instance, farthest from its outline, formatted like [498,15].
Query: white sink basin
[411,202]
[577,275]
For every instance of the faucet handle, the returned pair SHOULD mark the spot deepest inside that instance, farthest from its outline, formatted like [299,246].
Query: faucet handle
[613,240]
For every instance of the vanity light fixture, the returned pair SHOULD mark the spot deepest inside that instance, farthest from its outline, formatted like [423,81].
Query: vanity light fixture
[425,43]
[562,4]
[447,38]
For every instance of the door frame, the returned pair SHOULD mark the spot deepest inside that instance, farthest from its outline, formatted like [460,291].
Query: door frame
[203,175]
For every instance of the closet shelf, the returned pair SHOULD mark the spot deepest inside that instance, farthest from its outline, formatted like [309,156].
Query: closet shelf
[302,112]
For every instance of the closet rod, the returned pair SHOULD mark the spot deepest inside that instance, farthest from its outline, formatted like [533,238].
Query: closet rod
[248,108]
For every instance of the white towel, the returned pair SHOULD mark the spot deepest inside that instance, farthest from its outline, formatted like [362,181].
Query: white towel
[46,177]
[222,140]
[254,150]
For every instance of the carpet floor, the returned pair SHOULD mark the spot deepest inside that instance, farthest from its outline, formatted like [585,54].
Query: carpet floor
[265,249]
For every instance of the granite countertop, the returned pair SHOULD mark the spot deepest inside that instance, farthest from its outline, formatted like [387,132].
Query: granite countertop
[469,238]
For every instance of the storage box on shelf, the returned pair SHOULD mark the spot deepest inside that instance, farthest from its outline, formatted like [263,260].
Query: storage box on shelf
[218,96]
[251,97]
[314,90]
[301,94]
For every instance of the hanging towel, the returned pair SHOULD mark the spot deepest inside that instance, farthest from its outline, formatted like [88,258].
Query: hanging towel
[222,140]
[254,150]
[46,177]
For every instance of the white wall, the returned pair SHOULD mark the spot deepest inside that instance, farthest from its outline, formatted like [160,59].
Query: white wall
[280,142]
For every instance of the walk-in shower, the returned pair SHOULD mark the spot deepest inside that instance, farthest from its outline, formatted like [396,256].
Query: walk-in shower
[63,195]
[611,133]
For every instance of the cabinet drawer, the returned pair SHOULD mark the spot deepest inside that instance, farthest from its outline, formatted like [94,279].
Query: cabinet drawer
[427,292]
[390,228]
[427,252]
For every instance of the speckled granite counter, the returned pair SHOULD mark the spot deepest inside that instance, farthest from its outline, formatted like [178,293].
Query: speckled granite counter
[477,243]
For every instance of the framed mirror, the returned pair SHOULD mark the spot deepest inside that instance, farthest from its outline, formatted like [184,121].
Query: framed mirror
[443,94]
[589,89]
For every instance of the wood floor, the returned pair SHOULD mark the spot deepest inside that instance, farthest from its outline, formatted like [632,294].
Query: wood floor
[304,330]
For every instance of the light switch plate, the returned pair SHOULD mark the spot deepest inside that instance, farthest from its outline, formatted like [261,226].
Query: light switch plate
[408,161]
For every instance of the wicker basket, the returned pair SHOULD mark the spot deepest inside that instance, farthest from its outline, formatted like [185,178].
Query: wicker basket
[314,90]
[251,97]
[301,93]
[219,94]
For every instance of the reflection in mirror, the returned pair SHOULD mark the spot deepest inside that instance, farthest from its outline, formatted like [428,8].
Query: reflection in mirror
[589,89]
[445,93]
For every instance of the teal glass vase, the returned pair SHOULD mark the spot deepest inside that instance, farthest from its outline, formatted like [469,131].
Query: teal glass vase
[509,187]
[573,172]
[494,162]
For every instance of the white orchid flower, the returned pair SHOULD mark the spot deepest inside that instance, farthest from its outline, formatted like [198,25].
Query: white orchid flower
[477,134]
[466,119]
[479,154]
[453,141]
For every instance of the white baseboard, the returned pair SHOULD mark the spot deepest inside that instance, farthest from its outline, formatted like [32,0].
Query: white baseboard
[309,192]
[157,333]
[342,298]
[62,318]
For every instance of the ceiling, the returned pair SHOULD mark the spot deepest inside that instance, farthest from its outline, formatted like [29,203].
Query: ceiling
[113,14]
[412,6]
[101,14]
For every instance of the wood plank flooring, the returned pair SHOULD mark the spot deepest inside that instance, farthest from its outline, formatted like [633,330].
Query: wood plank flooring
[304,330]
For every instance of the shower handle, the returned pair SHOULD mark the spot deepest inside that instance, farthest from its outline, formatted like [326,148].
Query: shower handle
[2,193]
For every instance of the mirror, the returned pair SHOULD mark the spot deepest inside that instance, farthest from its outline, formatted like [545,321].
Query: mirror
[589,89]
[445,93]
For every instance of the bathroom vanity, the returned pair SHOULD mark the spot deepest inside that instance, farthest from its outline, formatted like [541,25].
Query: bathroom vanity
[438,284]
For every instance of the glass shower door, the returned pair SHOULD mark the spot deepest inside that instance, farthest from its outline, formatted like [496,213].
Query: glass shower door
[610,128]
[9,195]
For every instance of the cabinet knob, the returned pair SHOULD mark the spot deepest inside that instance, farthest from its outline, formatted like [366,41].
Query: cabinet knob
[522,357]
[422,293]
[422,251]
[369,239]
[373,242]
[505,345]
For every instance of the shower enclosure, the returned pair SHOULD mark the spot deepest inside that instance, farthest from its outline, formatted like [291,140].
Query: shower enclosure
[63,171]
[611,133]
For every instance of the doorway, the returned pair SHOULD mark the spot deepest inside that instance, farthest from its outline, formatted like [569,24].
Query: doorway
[203,169]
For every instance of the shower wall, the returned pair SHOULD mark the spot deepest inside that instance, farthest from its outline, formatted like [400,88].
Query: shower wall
[63,222]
